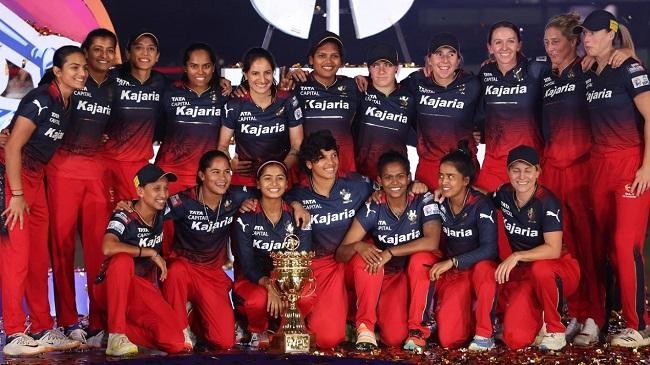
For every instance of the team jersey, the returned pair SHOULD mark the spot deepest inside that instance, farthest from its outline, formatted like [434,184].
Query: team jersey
[445,115]
[256,237]
[201,234]
[512,106]
[131,230]
[43,106]
[91,110]
[525,226]
[261,134]
[383,124]
[565,122]
[192,124]
[616,123]
[389,230]
[332,215]
[331,108]
[135,115]
[470,235]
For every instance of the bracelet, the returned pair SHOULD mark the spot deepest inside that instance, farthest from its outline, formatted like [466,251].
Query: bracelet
[390,252]
[454,261]
[19,190]
[140,253]
[17,195]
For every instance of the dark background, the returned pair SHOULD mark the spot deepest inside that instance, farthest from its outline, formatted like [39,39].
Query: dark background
[233,26]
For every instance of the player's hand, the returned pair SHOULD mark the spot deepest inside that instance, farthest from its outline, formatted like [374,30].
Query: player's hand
[297,74]
[418,187]
[368,252]
[242,167]
[619,56]
[248,205]
[502,273]
[226,86]
[378,197]
[16,211]
[437,196]
[362,83]
[440,268]
[275,305]
[385,257]
[160,262]
[587,62]
[4,137]
[124,205]
[286,82]
[641,181]
[301,215]
[240,92]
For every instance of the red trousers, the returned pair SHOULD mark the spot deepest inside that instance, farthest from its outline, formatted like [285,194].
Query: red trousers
[121,175]
[79,202]
[394,300]
[535,295]
[253,304]
[134,306]
[621,223]
[466,304]
[207,288]
[428,173]
[573,190]
[25,261]
[327,318]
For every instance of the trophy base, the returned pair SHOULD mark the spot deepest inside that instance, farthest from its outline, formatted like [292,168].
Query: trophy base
[294,343]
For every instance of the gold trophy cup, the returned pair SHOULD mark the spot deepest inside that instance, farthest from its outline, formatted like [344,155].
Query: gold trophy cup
[291,274]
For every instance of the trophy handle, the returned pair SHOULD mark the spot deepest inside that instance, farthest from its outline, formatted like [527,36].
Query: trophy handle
[311,282]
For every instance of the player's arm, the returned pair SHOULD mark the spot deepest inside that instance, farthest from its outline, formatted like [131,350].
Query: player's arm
[296,136]
[429,241]
[112,246]
[225,135]
[17,206]
[550,249]
[641,182]
[353,243]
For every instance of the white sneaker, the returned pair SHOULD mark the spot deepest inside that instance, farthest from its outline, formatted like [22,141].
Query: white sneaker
[480,343]
[57,341]
[366,340]
[630,337]
[79,335]
[190,338]
[120,345]
[553,341]
[540,335]
[20,344]
[589,334]
[572,329]
[99,340]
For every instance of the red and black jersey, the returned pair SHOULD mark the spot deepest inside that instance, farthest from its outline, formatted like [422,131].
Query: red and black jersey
[470,235]
[261,134]
[131,230]
[512,106]
[445,115]
[332,215]
[616,123]
[331,108]
[89,115]
[136,113]
[201,234]
[255,237]
[383,123]
[525,226]
[192,124]
[389,230]
[566,129]
[45,107]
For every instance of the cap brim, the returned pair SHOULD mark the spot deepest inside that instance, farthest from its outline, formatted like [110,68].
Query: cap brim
[445,46]
[522,160]
[382,59]
[171,177]
[146,34]
[329,38]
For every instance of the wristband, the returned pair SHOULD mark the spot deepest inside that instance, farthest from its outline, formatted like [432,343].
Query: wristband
[140,252]
[390,252]
[16,195]
[454,262]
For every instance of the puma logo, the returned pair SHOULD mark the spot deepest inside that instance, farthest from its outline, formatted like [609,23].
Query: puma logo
[242,224]
[38,105]
[553,214]
[486,216]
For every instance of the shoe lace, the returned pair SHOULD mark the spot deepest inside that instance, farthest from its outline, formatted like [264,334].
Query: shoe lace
[54,335]
[122,340]
[23,339]
[78,333]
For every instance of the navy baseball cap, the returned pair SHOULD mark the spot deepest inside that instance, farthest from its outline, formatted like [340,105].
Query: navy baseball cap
[151,173]
[382,52]
[598,20]
[326,37]
[525,154]
[144,33]
[444,40]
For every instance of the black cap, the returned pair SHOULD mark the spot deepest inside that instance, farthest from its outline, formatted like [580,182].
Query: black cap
[150,173]
[598,20]
[325,37]
[382,52]
[143,33]
[525,154]
[444,40]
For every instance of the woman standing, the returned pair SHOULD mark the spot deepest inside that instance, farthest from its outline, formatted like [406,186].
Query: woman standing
[76,186]
[539,273]
[619,110]
[193,108]
[258,233]
[36,132]
[463,282]
[266,122]
[390,274]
